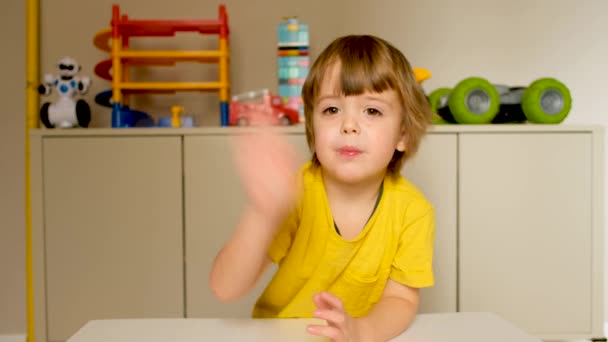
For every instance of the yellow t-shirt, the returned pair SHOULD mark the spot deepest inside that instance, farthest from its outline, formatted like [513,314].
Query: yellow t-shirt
[396,243]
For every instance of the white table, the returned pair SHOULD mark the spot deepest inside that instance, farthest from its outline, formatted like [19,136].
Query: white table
[453,327]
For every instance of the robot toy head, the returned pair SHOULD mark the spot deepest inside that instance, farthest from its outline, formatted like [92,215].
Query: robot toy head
[68,68]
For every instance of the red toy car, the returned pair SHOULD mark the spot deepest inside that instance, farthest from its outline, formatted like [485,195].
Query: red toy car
[260,106]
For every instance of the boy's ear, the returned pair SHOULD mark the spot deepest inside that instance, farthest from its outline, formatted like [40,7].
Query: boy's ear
[402,143]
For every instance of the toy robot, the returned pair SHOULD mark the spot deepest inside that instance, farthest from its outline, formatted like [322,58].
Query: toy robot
[66,112]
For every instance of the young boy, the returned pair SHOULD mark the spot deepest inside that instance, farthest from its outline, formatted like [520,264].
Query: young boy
[352,238]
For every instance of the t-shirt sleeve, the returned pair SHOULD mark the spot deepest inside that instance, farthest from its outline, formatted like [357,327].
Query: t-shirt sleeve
[284,237]
[413,262]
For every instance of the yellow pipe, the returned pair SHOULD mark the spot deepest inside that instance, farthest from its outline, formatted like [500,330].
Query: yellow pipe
[223,66]
[116,70]
[172,86]
[32,58]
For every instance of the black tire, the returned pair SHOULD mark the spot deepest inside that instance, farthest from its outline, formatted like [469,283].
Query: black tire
[44,115]
[546,101]
[474,101]
[83,113]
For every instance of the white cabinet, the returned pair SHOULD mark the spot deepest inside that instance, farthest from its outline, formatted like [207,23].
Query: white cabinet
[434,170]
[110,242]
[527,230]
[126,223]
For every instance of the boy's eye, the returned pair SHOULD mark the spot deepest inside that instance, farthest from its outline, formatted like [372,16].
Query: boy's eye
[330,110]
[373,111]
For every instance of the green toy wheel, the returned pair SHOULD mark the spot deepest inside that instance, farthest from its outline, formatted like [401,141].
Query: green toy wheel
[546,101]
[438,120]
[438,99]
[474,101]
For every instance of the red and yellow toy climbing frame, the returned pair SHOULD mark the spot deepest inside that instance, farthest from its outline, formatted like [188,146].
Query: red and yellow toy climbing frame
[115,41]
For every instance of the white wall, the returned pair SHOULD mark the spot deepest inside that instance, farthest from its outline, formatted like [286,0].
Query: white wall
[12,159]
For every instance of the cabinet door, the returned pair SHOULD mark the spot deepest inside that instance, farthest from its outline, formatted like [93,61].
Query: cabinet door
[434,171]
[113,230]
[525,229]
[214,200]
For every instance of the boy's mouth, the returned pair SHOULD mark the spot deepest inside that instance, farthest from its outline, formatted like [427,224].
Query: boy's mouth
[349,151]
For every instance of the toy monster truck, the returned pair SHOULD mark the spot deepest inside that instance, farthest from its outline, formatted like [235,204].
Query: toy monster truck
[477,101]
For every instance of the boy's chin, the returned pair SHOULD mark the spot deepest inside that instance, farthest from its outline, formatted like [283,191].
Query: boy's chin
[354,176]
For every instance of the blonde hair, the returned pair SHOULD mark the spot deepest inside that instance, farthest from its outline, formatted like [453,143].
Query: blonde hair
[370,64]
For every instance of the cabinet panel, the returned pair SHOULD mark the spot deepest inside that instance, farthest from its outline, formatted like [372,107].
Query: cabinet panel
[525,229]
[214,200]
[112,230]
[434,171]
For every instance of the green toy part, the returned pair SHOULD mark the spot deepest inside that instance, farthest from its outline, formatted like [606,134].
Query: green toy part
[437,99]
[474,101]
[546,101]
[438,120]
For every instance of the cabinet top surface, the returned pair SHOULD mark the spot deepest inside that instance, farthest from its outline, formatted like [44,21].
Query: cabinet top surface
[299,129]
[457,327]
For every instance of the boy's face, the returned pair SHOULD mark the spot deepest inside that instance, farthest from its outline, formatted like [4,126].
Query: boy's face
[356,136]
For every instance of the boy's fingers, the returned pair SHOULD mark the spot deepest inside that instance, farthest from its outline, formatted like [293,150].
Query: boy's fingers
[320,302]
[328,331]
[332,300]
[333,317]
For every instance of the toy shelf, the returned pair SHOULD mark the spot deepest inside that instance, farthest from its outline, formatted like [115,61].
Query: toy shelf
[116,41]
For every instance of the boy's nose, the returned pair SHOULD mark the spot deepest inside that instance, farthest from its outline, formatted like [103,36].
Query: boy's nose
[350,125]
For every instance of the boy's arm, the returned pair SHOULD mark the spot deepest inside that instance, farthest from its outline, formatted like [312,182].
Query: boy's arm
[244,258]
[266,164]
[389,318]
[392,315]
